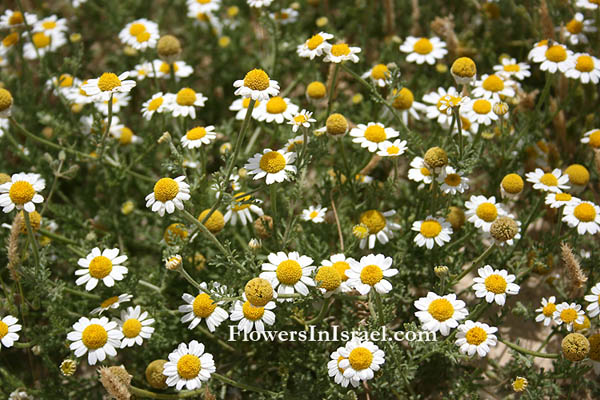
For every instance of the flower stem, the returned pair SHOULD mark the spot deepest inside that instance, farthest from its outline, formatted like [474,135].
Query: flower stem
[474,265]
[320,315]
[208,233]
[527,351]
[332,89]
[105,134]
[240,385]
[379,304]
[34,245]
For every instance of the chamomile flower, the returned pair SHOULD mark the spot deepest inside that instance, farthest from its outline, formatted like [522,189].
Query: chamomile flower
[569,314]
[475,337]
[379,74]
[392,149]
[493,87]
[315,214]
[336,372]
[546,310]
[440,313]
[259,3]
[302,118]
[424,50]
[105,266]
[432,231]
[22,192]
[203,306]
[189,366]
[380,228]
[556,58]
[557,200]
[369,136]
[140,34]
[341,52]
[12,19]
[593,308]
[240,209]
[315,45]
[403,100]
[452,182]
[341,263]
[163,69]
[141,71]
[482,211]
[107,84]
[370,273]
[241,106]
[41,43]
[112,303]
[51,26]
[480,111]
[256,85]
[9,41]
[277,109]
[156,104]
[168,194]
[510,68]
[587,4]
[252,317]
[584,215]
[135,326]
[554,181]
[360,360]
[285,16]
[586,69]
[419,172]
[97,336]
[8,331]
[273,165]
[204,6]
[437,110]
[184,103]
[288,273]
[494,285]
[575,29]
[592,138]
[198,136]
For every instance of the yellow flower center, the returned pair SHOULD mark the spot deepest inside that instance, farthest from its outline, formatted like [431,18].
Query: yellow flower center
[441,309]
[556,53]
[464,67]
[574,26]
[336,124]
[425,171]
[452,180]
[251,312]
[143,37]
[49,25]
[328,278]
[10,40]
[487,212]
[272,162]
[512,183]
[495,284]
[549,309]
[3,329]
[109,302]
[423,46]
[215,223]
[40,40]
[300,119]
[393,150]
[360,358]
[289,272]
[154,104]
[257,79]
[374,220]
[585,212]
[94,336]
[314,42]
[584,63]
[371,274]
[563,197]
[165,68]
[188,366]
[375,133]
[276,105]
[16,18]
[131,328]
[165,189]
[594,353]
[240,199]
[380,71]
[313,214]
[578,174]
[174,230]
[482,106]
[65,80]
[493,84]
[476,336]
[203,1]
[595,139]
[126,136]
[186,97]
[549,179]
[136,28]
[339,50]
[246,103]
[108,81]
[203,306]
[466,124]
[196,133]
[512,68]
[430,229]
[341,267]
[403,99]
[100,267]
[21,192]
[568,315]
[316,90]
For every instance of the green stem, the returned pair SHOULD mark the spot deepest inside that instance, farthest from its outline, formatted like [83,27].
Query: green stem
[23,345]
[34,244]
[244,386]
[79,293]
[332,89]
[527,351]
[149,285]
[474,265]
[208,233]
[105,134]
[320,315]
[379,304]
[55,236]
[191,280]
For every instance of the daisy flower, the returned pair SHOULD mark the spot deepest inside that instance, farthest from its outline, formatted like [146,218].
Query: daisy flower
[241,106]
[257,86]
[275,165]
[135,326]
[436,110]
[506,224]
[480,111]
[315,46]
[189,366]
[163,69]
[592,138]
[584,215]
[575,28]
[369,136]
[112,303]
[370,272]
[392,149]
[557,200]
[259,3]
[440,313]
[22,192]
[202,307]
[295,143]
[105,266]
[587,4]
[379,74]
[432,231]
[184,103]
[475,337]
[252,317]
[240,209]
[493,87]
[140,34]
[51,26]
[12,19]
[569,314]
[360,360]
[452,182]
[302,118]
[156,104]
[403,100]
[41,43]
[8,331]
[288,273]
[553,181]
[510,68]
[336,372]
[423,50]
[285,16]
[340,52]
[198,136]
[314,214]
[277,109]
[556,58]
[586,69]
[107,84]
[494,284]
[482,211]
[204,6]
[593,308]
[168,194]
[379,227]
[141,71]
[546,310]
[419,171]
[97,336]
[341,263]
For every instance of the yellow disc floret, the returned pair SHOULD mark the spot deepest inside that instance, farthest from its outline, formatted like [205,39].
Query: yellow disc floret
[336,124]
[196,133]
[188,366]
[316,90]
[464,67]
[276,105]
[549,179]
[495,284]
[374,221]
[482,106]
[430,229]
[584,63]
[328,278]
[94,336]
[100,267]
[441,309]
[131,328]
[578,174]
[186,97]
[215,223]
[165,189]
[487,212]
[108,81]
[21,192]
[203,306]
[40,40]
[257,79]
[380,71]
[341,267]
[289,272]
[360,358]
[340,50]
[403,99]
[251,312]
[423,46]
[556,53]
[512,184]
[272,162]
[314,42]
[375,133]
[258,292]
[6,99]
[371,275]
[476,336]
[493,83]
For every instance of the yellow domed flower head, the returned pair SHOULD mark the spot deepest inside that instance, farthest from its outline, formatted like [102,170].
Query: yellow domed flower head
[315,46]
[215,223]
[380,227]
[316,90]
[203,306]
[258,292]
[336,125]
[21,192]
[575,347]
[341,52]
[102,266]
[519,384]
[579,176]
[456,217]
[464,70]
[594,353]
[135,326]
[97,336]
[168,194]
[482,211]
[154,374]
[436,158]
[175,230]
[288,273]
[504,229]
[188,366]
[273,165]
[475,338]
[34,218]
[6,102]
[511,185]
[256,85]
[380,74]
[328,280]
[107,84]
[168,48]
